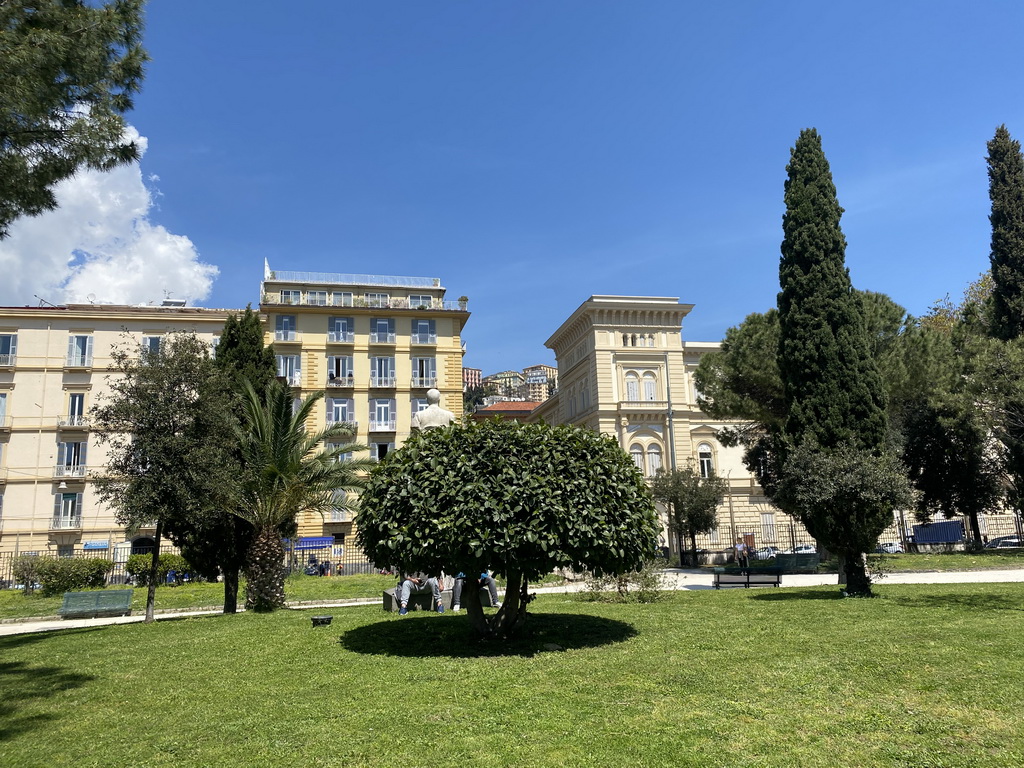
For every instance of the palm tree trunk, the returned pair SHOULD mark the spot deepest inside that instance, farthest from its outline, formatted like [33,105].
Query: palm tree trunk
[264,588]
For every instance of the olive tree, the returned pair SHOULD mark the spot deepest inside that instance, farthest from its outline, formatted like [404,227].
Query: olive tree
[519,499]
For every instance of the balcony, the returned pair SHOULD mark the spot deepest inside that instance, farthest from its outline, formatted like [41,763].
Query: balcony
[292,379]
[8,361]
[286,336]
[73,422]
[382,338]
[340,337]
[352,426]
[341,381]
[78,361]
[338,516]
[424,338]
[70,470]
[385,382]
[647,406]
[66,523]
[424,382]
[382,425]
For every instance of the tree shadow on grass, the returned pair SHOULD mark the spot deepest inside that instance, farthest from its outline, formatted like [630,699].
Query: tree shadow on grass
[26,685]
[795,593]
[430,635]
[977,602]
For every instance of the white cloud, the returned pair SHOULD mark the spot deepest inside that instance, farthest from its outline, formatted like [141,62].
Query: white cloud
[100,242]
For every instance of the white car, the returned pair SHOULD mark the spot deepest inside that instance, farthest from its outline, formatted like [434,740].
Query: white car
[890,548]
[803,549]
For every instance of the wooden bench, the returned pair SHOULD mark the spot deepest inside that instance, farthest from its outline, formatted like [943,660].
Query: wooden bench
[798,563]
[99,602]
[748,577]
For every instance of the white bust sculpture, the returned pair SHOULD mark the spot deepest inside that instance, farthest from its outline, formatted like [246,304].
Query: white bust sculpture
[433,415]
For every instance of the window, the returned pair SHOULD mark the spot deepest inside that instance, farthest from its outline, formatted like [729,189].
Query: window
[377,299]
[379,450]
[418,404]
[339,371]
[424,372]
[424,332]
[71,459]
[420,300]
[707,467]
[632,387]
[8,349]
[214,343]
[3,409]
[284,328]
[768,526]
[316,298]
[65,550]
[79,351]
[382,330]
[150,345]
[382,371]
[340,410]
[67,511]
[289,367]
[291,297]
[382,415]
[650,387]
[584,395]
[636,452]
[341,299]
[653,459]
[341,329]
[76,410]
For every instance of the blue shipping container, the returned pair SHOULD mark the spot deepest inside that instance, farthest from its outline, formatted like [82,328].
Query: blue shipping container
[946,532]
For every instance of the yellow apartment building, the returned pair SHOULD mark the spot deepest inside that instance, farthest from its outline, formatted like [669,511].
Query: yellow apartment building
[376,344]
[54,366]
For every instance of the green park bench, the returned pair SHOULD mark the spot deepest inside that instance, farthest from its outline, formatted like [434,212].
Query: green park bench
[799,563]
[763,576]
[96,603]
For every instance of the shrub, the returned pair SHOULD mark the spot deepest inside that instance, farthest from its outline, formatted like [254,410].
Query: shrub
[26,572]
[641,586]
[67,574]
[138,568]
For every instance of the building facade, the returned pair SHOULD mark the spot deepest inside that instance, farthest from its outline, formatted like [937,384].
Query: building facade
[375,343]
[470,378]
[55,364]
[539,382]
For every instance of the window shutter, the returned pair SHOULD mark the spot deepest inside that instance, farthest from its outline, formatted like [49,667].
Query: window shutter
[432,327]
[14,344]
[56,504]
[78,505]
[391,326]
[71,349]
[81,457]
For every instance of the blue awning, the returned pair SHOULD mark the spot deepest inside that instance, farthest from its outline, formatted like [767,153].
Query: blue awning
[314,542]
[105,544]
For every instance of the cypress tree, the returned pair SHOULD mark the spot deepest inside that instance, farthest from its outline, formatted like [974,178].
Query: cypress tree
[1006,190]
[835,475]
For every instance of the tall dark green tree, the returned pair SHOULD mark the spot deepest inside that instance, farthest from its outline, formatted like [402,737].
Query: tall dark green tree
[68,72]
[219,542]
[1006,191]
[165,422]
[834,399]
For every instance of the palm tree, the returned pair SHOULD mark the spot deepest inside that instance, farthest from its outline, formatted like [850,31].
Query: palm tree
[285,472]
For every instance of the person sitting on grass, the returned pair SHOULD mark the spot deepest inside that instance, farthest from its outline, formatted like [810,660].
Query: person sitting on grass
[484,580]
[417,583]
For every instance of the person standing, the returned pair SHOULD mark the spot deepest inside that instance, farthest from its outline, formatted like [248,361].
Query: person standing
[742,554]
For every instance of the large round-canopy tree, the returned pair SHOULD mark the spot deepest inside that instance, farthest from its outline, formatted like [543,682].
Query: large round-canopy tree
[520,499]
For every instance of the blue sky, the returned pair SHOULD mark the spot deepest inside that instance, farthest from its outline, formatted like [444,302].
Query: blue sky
[531,154]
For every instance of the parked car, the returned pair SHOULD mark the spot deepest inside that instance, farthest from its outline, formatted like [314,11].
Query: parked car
[1004,542]
[767,553]
[801,549]
[889,548]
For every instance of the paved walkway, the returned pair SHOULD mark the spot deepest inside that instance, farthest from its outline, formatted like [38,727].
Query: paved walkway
[676,578]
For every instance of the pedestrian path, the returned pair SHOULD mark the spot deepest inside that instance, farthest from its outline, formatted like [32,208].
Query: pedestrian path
[675,578]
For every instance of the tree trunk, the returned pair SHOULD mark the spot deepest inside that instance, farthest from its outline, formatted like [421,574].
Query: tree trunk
[693,547]
[471,602]
[231,589]
[975,529]
[681,542]
[513,609]
[264,587]
[154,570]
[858,583]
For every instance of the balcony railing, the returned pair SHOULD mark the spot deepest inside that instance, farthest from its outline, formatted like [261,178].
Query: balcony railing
[8,361]
[341,381]
[275,298]
[287,336]
[382,338]
[424,338]
[382,425]
[382,381]
[340,337]
[424,382]
[353,426]
[338,516]
[72,421]
[66,523]
[78,361]
[293,379]
[643,405]
[70,470]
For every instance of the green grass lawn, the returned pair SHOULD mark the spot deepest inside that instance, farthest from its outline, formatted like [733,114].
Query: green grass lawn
[990,559]
[924,675]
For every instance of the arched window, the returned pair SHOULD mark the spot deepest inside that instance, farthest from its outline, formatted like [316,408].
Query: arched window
[632,387]
[653,459]
[650,340]
[625,339]
[650,387]
[633,340]
[636,452]
[707,467]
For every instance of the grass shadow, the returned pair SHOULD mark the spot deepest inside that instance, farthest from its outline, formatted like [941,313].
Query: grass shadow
[795,593]
[426,636]
[979,602]
[26,685]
